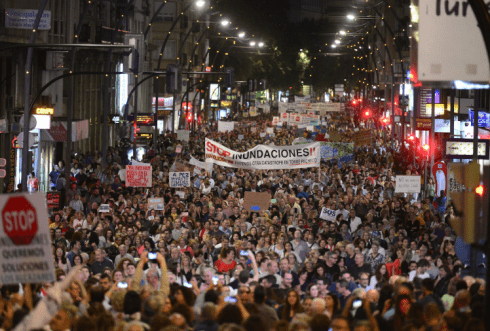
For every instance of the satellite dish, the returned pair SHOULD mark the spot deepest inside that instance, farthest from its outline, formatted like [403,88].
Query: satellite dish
[20,139]
[32,123]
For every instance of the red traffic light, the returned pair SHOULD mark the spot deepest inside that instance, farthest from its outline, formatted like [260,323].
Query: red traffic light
[367,113]
[189,117]
[354,101]
[480,190]
[426,147]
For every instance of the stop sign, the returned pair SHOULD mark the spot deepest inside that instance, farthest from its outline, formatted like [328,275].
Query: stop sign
[19,220]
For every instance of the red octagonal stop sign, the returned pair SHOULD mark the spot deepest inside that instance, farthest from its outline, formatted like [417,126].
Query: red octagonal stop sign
[19,220]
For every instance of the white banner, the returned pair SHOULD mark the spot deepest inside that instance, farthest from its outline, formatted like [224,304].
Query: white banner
[25,247]
[407,184]
[329,214]
[265,157]
[138,175]
[180,179]
[198,166]
[226,126]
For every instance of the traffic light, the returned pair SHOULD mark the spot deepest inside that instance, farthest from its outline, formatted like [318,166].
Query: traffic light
[367,113]
[384,121]
[189,117]
[173,78]
[470,206]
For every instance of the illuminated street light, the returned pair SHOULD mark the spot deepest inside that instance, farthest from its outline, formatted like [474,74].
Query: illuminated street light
[351,17]
[337,41]
[225,22]
[342,32]
[252,43]
[261,44]
[334,46]
[241,35]
[200,3]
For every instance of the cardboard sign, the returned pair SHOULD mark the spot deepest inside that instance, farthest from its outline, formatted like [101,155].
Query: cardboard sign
[407,184]
[25,249]
[155,203]
[329,214]
[180,179]
[180,194]
[363,138]
[256,201]
[138,175]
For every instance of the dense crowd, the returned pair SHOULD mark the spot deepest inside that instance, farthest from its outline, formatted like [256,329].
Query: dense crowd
[387,262]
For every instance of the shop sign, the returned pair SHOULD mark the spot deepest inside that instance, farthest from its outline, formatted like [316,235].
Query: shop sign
[24,19]
[53,200]
[445,34]
[44,111]
[457,148]
[483,119]
[163,113]
[423,124]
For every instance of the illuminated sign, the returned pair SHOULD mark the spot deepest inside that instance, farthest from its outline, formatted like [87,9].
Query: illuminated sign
[214,92]
[147,119]
[439,109]
[44,111]
[208,69]
[43,122]
[463,148]
[144,136]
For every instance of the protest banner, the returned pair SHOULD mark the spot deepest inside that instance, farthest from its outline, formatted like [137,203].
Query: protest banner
[226,126]
[138,175]
[180,179]
[256,201]
[265,157]
[333,150]
[198,166]
[183,135]
[275,120]
[25,241]
[269,130]
[329,214]
[363,138]
[407,184]
[155,203]
[181,166]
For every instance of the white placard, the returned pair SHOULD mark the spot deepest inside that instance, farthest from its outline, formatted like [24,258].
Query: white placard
[26,247]
[407,184]
[104,208]
[262,134]
[329,214]
[448,30]
[269,130]
[183,135]
[226,126]
[180,179]
[156,203]
[180,194]
[138,175]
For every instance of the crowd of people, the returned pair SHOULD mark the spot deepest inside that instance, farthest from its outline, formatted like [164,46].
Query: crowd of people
[387,262]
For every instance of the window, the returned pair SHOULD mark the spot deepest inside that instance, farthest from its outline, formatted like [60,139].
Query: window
[168,11]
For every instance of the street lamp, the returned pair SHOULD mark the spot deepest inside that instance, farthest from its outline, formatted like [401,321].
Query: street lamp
[241,35]
[351,17]
[200,3]
[342,33]
[225,22]
[337,41]
[261,44]
[252,43]
[334,46]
